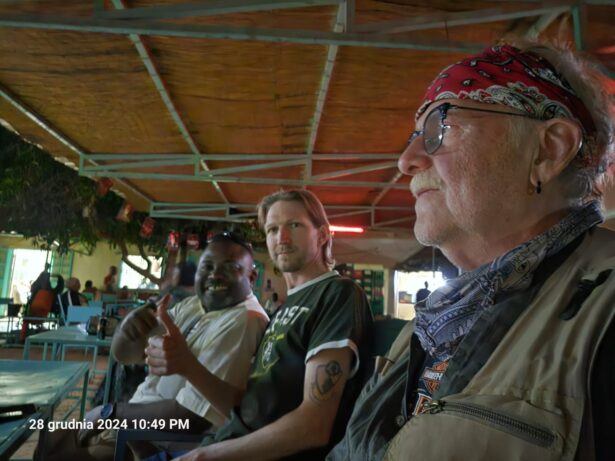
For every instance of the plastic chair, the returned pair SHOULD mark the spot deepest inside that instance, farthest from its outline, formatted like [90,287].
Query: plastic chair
[81,314]
[108,297]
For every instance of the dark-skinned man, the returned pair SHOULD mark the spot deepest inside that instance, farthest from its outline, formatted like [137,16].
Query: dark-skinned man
[220,328]
[312,360]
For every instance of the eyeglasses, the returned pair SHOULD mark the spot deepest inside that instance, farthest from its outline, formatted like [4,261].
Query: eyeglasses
[232,237]
[433,126]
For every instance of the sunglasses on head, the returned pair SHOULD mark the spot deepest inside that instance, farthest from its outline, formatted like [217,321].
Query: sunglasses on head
[228,236]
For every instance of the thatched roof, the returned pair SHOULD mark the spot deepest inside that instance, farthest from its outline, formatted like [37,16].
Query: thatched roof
[326,93]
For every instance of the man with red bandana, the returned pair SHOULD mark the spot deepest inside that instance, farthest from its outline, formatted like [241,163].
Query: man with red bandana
[513,358]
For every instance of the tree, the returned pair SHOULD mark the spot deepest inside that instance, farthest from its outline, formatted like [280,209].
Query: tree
[50,203]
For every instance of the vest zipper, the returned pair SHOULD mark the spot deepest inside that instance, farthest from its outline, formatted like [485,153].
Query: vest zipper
[533,434]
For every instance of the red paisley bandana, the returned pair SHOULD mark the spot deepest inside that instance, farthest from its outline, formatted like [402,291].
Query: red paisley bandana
[505,75]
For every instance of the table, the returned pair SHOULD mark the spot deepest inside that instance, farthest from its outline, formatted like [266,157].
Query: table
[73,336]
[40,383]
[43,384]
[13,434]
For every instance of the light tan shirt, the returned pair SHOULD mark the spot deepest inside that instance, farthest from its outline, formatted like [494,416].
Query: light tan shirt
[224,342]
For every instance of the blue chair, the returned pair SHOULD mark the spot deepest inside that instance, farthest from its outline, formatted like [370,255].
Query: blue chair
[81,314]
[96,304]
[108,297]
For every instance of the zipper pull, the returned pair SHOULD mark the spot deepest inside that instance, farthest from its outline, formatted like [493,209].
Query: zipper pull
[433,407]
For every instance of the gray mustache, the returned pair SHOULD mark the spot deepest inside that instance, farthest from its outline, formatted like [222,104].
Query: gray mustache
[425,181]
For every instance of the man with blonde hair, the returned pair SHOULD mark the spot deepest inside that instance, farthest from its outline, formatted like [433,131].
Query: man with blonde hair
[513,359]
[312,361]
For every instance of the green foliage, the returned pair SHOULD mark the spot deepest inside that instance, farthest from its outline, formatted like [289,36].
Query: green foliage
[44,200]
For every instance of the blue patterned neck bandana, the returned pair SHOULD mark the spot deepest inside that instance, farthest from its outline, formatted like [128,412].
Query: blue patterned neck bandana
[450,311]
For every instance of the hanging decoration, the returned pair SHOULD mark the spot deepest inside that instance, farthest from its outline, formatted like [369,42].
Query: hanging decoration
[173,240]
[193,241]
[103,185]
[125,213]
[147,228]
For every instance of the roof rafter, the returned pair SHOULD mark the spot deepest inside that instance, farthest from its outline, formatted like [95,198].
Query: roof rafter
[306,37]
[325,80]
[463,18]
[248,180]
[351,171]
[244,157]
[209,8]
[148,62]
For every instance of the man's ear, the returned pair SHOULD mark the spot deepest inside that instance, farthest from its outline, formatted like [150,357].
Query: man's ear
[559,142]
[323,235]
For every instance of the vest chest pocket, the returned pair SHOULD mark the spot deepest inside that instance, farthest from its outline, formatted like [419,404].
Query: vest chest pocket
[455,430]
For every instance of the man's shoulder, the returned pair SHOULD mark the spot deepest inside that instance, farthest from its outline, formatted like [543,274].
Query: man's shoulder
[248,310]
[596,250]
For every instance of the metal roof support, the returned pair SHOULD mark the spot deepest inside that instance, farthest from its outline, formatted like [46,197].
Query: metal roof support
[323,90]
[244,157]
[578,23]
[147,157]
[148,62]
[348,213]
[242,215]
[196,217]
[541,24]
[357,170]
[61,137]
[211,8]
[306,37]
[139,165]
[464,18]
[250,180]
[224,206]
[255,167]
[383,192]
[393,221]
[189,210]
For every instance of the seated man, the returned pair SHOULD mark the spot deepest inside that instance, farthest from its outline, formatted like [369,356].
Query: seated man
[221,327]
[310,365]
[502,360]
[72,297]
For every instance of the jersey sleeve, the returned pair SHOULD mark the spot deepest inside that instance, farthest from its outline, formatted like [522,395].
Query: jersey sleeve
[340,320]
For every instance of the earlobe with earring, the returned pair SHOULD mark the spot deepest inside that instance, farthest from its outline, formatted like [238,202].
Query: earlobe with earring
[539,187]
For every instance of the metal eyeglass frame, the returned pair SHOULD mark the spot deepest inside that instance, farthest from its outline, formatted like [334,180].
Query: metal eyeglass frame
[443,110]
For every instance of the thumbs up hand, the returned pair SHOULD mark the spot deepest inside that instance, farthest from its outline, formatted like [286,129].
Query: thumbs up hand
[168,354]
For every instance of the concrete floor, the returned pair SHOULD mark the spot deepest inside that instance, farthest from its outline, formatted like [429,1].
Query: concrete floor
[15,353]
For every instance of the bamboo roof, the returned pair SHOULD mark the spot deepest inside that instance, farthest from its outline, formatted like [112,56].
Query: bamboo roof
[198,109]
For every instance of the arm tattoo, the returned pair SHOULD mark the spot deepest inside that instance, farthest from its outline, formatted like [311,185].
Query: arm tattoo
[325,379]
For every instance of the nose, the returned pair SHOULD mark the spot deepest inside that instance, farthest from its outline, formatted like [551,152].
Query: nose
[284,235]
[414,159]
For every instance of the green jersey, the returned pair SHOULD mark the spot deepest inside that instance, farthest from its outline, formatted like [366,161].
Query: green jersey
[328,312]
